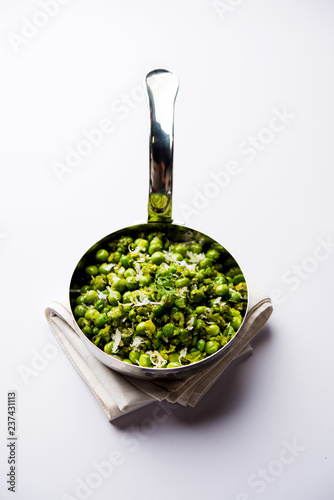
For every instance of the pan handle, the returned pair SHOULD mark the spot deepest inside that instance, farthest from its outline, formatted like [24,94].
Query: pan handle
[162,87]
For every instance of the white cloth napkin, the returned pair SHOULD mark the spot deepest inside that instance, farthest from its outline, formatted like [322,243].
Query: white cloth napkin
[119,394]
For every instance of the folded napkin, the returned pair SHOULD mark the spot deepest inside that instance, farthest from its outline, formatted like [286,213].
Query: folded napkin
[119,394]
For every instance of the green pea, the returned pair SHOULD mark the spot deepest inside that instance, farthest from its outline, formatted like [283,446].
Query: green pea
[80,299]
[91,296]
[132,314]
[222,290]
[181,249]
[142,310]
[220,280]
[85,289]
[198,325]
[233,271]
[229,330]
[102,255]
[127,297]
[180,302]
[100,320]
[219,248]
[155,237]
[134,356]
[115,313]
[200,345]
[99,283]
[104,268]
[115,257]
[145,360]
[91,314]
[141,245]
[80,311]
[177,316]
[114,297]
[169,329]
[212,254]
[82,322]
[184,335]
[213,330]
[119,285]
[239,278]
[131,283]
[196,248]
[155,246]
[204,263]
[234,296]
[125,261]
[92,270]
[125,241]
[144,280]
[197,295]
[109,347]
[174,364]
[236,322]
[129,272]
[200,309]
[99,305]
[158,311]
[181,282]
[150,326]
[211,347]
[127,361]
[200,277]
[87,330]
[177,256]
[158,258]
[145,327]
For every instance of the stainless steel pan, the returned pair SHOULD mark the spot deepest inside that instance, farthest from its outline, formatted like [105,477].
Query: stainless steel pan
[162,87]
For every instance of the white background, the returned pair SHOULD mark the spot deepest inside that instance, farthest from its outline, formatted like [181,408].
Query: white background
[236,65]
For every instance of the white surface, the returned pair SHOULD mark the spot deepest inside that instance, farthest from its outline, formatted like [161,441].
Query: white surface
[234,71]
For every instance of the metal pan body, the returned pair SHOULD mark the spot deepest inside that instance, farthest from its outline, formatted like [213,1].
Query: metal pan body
[176,233]
[162,87]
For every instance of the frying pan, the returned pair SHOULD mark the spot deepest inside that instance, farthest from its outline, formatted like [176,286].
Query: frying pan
[162,87]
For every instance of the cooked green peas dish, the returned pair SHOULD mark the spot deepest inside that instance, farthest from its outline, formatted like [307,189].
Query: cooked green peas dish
[155,303]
